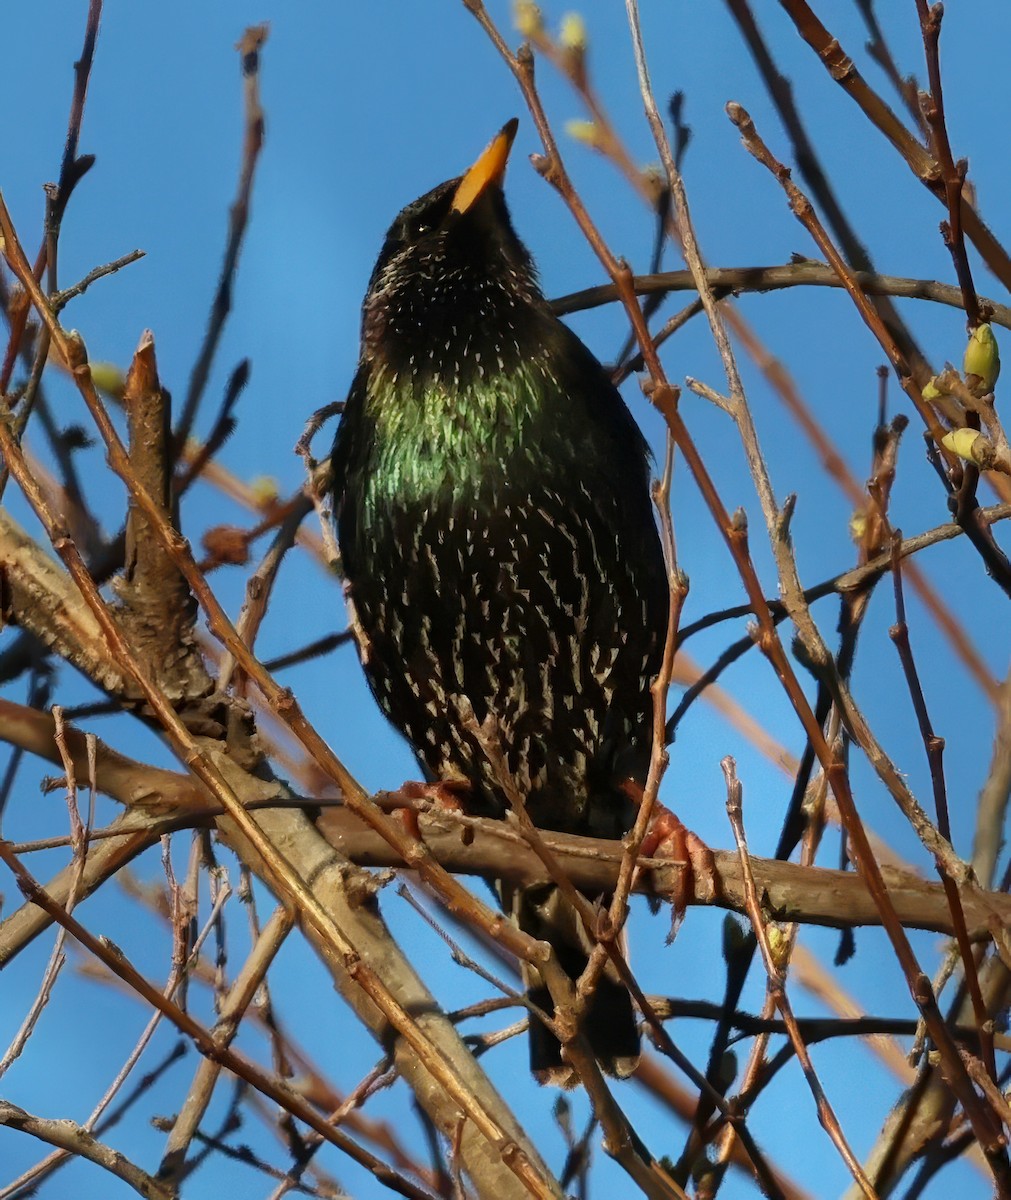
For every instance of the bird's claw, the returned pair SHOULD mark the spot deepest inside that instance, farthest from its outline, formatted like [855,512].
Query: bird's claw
[667,837]
[444,795]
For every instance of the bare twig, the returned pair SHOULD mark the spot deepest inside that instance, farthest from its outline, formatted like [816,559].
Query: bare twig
[777,990]
[249,48]
[75,1140]
[934,748]
[952,174]
[79,840]
[63,298]
[920,161]
[72,169]
[113,958]
[996,562]
[259,588]
[237,1000]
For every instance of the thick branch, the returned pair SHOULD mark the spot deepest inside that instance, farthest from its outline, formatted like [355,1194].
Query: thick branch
[134,784]
[838,899]
[345,893]
[40,597]
[158,609]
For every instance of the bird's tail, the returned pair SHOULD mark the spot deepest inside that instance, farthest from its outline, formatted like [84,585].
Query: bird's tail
[609,1022]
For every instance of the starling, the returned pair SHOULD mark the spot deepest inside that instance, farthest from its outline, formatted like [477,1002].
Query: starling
[500,552]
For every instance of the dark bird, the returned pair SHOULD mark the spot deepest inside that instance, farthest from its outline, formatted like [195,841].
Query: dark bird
[500,551]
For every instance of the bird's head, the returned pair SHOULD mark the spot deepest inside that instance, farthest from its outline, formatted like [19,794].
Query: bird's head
[451,265]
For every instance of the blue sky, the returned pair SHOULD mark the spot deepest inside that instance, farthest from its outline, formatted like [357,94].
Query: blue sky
[367,106]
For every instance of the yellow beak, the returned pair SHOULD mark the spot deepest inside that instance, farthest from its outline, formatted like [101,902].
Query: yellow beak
[489,168]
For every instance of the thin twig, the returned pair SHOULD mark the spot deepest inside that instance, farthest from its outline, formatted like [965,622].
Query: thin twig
[237,1000]
[258,592]
[736,539]
[952,174]
[113,958]
[776,986]
[63,298]
[921,162]
[934,748]
[79,836]
[75,1140]
[249,48]
[73,168]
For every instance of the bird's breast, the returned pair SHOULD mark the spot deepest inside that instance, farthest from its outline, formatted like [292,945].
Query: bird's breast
[446,437]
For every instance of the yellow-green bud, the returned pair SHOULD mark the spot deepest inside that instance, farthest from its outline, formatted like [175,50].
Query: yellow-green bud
[982,360]
[572,34]
[931,390]
[527,18]
[108,378]
[265,491]
[779,946]
[858,525]
[583,131]
[971,445]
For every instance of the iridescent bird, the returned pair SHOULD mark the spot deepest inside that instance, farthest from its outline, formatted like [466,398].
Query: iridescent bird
[500,551]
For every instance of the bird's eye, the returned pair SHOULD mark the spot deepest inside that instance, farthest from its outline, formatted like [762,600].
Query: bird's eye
[421,228]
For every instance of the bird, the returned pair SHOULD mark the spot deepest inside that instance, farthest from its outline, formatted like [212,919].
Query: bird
[501,560]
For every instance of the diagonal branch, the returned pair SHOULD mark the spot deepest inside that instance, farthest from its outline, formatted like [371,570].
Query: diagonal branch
[71,1137]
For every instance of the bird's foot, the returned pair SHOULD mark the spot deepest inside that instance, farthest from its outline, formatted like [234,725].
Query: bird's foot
[444,795]
[667,837]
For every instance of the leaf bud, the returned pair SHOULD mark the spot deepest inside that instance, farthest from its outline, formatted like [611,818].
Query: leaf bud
[528,19]
[971,445]
[572,34]
[982,361]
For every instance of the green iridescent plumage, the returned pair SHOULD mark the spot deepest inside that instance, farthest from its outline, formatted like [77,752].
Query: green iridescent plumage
[500,549]
[432,434]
